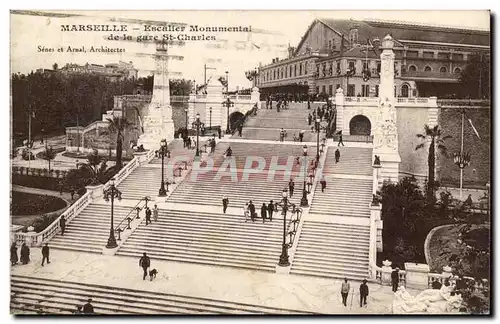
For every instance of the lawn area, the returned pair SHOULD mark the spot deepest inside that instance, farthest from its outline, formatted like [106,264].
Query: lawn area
[32,204]
[443,244]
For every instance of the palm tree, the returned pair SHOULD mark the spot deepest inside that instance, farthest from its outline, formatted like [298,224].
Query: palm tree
[96,169]
[118,125]
[434,134]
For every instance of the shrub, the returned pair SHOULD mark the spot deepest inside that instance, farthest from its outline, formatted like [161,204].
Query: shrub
[42,222]
[31,204]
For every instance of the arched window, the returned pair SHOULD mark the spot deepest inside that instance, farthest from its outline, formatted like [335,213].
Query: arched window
[290,71]
[457,70]
[405,91]
[300,69]
[428,69]
[443,69]
[412,68]
[295,70]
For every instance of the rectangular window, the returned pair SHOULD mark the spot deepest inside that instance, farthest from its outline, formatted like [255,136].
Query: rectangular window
[330,89]
[365,90]
[323,89]
[351,65]
[365,66]
[378,68]
[412,54]
[376,90]
[429,55]
[329,44]
[443,56]
[351,89]
[317,89]
[305,68]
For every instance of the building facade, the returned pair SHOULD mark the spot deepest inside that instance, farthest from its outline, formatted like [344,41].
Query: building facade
[345,53]
[113,71]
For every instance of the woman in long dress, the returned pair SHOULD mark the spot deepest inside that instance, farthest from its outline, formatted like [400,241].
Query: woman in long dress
[13,254]
[25,254]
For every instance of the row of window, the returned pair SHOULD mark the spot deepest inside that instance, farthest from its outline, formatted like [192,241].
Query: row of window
[328,68]
[286,72]
[443,69]
[365,90]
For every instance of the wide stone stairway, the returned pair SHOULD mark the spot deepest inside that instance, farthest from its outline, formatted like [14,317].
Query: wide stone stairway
[332,250]
[338,246]
[45,296]
[208,238]
[268,122]
[89,231]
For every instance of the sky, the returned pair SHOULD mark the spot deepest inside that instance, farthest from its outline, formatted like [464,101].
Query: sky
[277,29]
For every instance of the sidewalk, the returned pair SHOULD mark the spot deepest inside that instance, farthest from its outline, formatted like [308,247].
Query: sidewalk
[253,287]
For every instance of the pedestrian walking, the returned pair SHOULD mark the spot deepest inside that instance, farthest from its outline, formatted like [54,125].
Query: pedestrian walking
[322,181]
[344,290]
[72,193]
[301,135]
[337,156]
[291,186]
[193,143]
[363,293]
[395,279]
[240,129]
[155,213]
[25,254]
[263,212]
[144,263]
[340,139]
[282,134]
[309,119]
[13,254]
[45,253]
[148,215]
[246,212]
[308,104]
[62,224]
[225,203]
[270,209]
[212,145]
[219,132]
[251,209]
[88,308]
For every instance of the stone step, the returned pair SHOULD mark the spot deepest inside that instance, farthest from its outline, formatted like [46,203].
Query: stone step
[114,300]
[359,276]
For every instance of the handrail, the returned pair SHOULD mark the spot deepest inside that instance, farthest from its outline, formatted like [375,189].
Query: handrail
[145,199]
[124,172]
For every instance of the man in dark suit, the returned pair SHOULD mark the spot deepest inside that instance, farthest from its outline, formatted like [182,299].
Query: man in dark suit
[270,209]
[45,253]
[263,212]
[225,202]
[363,293]
[251,208]
[144,263]
[395,279]
[291,185]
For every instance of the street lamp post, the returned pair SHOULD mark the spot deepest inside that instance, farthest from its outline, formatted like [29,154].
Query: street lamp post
[198,124]
[163,152]
[317,129]
[210,118]
[461,160]
[111,193]
[186,111]
[228,102]
[303,201]
[284,247]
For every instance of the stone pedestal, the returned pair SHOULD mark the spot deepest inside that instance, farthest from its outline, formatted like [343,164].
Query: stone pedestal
[95,191]
[386,272]
[417,275]
[339,104]
[255,96]
[29,236]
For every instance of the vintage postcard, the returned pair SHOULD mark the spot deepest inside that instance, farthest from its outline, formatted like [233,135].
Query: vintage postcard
[250,162]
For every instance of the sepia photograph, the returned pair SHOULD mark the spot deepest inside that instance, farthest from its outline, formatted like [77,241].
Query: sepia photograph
[250,162]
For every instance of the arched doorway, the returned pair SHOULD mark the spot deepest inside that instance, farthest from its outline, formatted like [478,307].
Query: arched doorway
[405,91]
[235,119]
[360,125]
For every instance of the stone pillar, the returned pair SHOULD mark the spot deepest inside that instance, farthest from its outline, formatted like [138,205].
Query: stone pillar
[191,109]
[385,132]
[376,175]
[339,104]
[386,272]
[29,236]
[158,123]
[214,99]
[417,275]
[375,209]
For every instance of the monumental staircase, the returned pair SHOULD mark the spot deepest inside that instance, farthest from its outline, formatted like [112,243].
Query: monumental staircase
[208,238]
[335,239]
[30,296]
[267,123]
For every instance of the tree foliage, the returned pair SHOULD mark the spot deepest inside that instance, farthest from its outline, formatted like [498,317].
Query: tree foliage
[119,125]
[436,138]
[475,78]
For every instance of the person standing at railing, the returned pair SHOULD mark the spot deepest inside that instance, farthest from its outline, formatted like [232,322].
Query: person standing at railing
[395,279]
[62,224]
[363,293]
[344,291]
[155,213]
